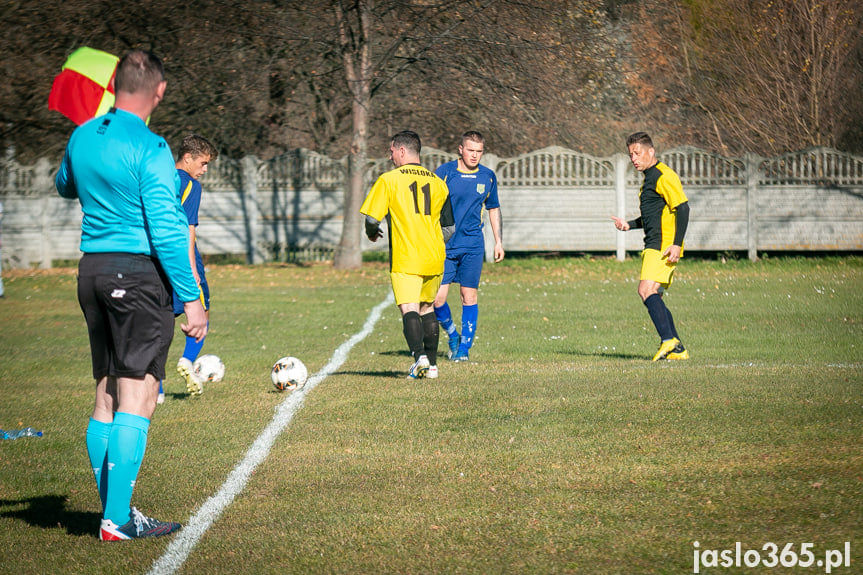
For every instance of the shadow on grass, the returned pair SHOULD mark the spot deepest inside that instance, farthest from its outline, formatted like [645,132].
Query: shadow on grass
[48,512]
[178,395]
[578,353]
[381,373]
[401,352]
[606,354]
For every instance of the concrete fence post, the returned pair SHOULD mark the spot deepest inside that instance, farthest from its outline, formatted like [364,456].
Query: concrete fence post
[43,183]
[491,162]
[251,209]
[620,163]
[752,173]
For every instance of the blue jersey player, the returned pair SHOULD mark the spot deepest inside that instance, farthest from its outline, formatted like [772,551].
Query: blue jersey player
[472,188]
[193,157]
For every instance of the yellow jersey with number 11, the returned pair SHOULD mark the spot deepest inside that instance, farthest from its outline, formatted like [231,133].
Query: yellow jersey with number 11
[411,198]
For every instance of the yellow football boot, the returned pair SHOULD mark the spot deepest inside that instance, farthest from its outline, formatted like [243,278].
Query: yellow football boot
[678,353]
[666,348]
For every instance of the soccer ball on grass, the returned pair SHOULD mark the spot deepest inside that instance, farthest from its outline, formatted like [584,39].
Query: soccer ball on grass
[209,368]
[289,373]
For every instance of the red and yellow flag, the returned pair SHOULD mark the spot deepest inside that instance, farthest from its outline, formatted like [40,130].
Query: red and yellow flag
[84,89]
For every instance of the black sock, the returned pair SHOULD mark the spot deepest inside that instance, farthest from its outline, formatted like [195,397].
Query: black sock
[659,314]
[671,323]
[431,336]
[413,330]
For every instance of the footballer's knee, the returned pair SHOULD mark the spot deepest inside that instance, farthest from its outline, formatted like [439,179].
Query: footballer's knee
[647,289]
[469,296]
[441,296]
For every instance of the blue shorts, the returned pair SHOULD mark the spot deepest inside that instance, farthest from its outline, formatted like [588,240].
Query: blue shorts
[205,294]
[463,268]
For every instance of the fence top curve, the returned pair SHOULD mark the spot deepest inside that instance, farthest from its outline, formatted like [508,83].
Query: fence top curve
[556,166]
[816,165]
[697,167]
[553,166]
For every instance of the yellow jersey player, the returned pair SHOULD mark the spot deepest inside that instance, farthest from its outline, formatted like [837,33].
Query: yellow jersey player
[664,218]
[416,205]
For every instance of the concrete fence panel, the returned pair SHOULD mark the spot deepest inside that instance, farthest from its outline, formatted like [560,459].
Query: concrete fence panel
[553,199]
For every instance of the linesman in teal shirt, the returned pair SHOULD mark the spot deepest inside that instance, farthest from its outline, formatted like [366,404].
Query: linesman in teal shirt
[135,241]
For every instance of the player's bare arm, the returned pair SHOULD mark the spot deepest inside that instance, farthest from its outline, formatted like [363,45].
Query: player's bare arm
[192,240]
[495,218]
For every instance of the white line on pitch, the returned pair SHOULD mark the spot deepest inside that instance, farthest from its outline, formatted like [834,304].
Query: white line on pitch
[178,550]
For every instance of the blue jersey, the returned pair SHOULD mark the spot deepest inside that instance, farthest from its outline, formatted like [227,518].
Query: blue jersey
[469,192]
[190,197]
[124,176]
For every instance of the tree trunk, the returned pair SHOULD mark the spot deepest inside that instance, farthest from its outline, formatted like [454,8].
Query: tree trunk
[349,253]
[356,55]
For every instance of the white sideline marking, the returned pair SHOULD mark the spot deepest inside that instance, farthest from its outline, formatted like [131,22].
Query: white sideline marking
[180,547]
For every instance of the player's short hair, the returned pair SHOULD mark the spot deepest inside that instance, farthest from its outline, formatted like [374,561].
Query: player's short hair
[139,71]
[197,146]
[641,138]
[473,136]
[408,139]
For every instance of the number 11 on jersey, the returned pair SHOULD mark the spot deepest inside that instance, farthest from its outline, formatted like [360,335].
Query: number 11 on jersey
[426,190]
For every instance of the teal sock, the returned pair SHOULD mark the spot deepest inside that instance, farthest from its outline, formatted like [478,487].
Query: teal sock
[98,433]
[444,317]
[469,314]
[126,447]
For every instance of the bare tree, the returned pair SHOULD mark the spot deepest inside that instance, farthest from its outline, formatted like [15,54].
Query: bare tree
[334,76]
[441,52]
[353,25]
[756,75]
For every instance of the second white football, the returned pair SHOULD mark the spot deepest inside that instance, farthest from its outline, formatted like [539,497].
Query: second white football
[209,368]
[289,373]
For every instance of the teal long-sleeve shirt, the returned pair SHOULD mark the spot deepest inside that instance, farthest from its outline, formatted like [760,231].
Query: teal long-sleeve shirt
[125,179]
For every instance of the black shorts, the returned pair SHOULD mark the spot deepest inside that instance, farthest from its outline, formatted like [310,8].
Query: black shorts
[126,300]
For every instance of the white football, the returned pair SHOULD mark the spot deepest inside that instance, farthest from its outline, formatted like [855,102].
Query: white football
[289,373]
[209,368]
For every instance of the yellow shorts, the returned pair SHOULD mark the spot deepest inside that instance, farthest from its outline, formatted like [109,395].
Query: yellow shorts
[655,268]
[411,288]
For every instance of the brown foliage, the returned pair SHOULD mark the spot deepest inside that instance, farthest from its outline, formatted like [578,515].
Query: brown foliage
[265,77]
[764,76]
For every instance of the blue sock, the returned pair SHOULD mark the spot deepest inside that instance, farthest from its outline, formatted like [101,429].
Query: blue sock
[126,447]
[444,317]
[469,315]
[98,433]
[193,348]
[659,314]
[161,390]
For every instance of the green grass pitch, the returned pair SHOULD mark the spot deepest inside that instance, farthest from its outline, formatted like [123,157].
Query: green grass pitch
[560,448]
